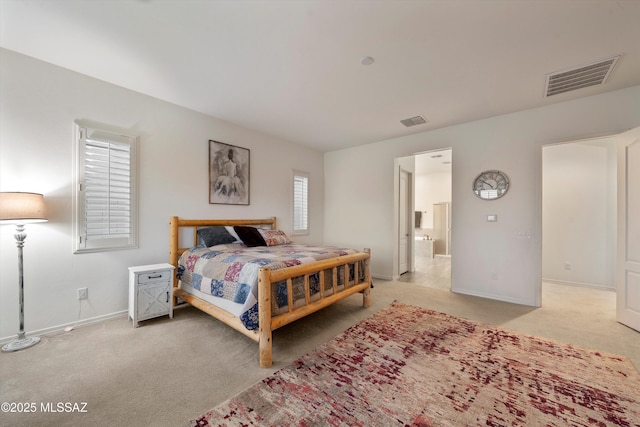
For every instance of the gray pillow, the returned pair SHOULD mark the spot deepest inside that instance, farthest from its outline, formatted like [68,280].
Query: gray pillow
[215,235]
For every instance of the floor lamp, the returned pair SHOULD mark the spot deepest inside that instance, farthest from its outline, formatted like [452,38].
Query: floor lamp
[21,209]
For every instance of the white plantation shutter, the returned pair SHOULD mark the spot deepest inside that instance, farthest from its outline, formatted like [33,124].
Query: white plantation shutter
[300,202]
[106,208]
[107,190]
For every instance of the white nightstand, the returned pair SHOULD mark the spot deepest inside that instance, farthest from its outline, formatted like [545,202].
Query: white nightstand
[150,292]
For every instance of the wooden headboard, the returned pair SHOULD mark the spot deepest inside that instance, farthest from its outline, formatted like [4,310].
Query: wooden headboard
[176,223]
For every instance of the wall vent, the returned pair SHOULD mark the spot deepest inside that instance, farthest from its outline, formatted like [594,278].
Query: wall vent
[576,78]
[417,120]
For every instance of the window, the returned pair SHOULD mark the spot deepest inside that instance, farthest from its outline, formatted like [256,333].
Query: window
[300,202]
[105,199]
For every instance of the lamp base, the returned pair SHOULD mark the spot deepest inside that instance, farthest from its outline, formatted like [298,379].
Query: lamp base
[20,344]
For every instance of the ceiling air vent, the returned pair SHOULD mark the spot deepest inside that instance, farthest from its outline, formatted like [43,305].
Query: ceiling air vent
[576,78]
[417,120]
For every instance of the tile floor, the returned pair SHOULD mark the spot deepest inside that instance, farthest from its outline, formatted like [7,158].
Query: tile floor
[432,272]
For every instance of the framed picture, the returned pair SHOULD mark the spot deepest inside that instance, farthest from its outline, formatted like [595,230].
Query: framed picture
[228,174]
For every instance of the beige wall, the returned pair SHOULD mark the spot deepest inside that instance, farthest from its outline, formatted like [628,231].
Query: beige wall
[38,105]
[500,260]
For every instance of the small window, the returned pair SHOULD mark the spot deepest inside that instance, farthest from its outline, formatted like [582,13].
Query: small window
[300,202]
[105,202]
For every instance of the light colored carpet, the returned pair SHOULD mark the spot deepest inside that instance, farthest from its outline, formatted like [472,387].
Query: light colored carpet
[169,371]
[407,366]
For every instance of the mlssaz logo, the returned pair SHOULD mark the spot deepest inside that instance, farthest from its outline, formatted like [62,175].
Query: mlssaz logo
[68,407]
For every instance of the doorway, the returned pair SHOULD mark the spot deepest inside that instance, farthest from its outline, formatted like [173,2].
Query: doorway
[579,183]
[589,215]
[441,229]
[432,224]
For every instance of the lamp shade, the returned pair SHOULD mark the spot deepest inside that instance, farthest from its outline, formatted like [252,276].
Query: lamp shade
[22,208]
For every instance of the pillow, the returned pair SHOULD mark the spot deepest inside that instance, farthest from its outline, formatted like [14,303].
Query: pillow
[231,231]
[215,235]
[274,237]
[250,236]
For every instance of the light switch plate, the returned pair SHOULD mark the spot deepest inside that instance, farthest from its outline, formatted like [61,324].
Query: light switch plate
[492,218]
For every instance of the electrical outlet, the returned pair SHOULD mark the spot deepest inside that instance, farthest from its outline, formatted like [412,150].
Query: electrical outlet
[567,266]
[83,293]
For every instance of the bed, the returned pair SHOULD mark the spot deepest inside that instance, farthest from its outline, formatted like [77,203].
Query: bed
[274,290]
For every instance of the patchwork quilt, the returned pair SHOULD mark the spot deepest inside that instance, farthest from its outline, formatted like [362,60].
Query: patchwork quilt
[231,272]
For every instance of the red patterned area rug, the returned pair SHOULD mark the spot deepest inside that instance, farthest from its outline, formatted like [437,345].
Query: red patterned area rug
[407,366]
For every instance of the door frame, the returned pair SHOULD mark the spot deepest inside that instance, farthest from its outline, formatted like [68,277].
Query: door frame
[409,218]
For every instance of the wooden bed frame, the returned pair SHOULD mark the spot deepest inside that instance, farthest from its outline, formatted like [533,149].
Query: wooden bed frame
[266,277]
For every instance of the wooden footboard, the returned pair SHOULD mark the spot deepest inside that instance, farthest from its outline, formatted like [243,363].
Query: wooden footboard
[269,322]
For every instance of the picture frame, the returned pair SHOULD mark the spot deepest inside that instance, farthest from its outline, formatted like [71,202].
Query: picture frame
[229,178]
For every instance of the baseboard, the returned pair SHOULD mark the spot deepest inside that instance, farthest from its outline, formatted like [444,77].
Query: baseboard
[493,297]
[60,328]
[580,284]
[382,277]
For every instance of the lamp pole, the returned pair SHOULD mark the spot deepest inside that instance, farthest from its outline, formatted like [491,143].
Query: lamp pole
[22,341]
[21,208]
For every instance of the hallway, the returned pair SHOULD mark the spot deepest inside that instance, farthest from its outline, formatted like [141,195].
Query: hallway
[432,272]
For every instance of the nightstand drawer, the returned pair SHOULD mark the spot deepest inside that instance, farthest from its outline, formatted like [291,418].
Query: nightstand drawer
[154,276]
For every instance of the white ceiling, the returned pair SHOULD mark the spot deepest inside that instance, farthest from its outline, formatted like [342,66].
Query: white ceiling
[292,68]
